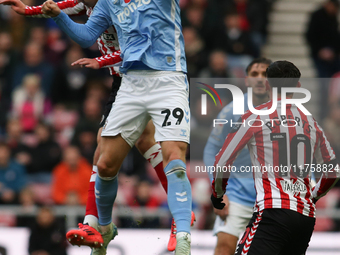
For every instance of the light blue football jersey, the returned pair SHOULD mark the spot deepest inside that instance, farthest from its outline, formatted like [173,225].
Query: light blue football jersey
[240,188]
[149,32]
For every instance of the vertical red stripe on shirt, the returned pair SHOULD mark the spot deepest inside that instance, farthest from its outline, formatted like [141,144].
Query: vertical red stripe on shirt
[304,119]
[268,200]
[275,144]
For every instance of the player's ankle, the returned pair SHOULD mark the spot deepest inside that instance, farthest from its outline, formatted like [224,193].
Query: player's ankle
[105,228]
[91,220]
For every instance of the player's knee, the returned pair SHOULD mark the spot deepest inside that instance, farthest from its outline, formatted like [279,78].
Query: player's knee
[106,168]
[173,150]
[226,244]
[224,249]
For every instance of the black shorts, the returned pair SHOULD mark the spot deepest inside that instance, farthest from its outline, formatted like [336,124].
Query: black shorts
[114,90]
[276,232]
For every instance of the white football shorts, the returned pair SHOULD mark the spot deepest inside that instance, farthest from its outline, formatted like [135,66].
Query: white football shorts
[162,96]
[236,221]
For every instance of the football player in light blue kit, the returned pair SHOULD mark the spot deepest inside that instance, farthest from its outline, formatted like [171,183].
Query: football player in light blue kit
[232,220]
[154,85]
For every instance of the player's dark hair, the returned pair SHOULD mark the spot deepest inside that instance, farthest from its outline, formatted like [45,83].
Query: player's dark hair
[282,74]
[265,61]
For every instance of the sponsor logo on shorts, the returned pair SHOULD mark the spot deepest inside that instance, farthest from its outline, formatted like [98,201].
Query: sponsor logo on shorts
[184,133]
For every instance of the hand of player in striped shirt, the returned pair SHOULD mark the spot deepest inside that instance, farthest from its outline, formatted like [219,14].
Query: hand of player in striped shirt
[217,202]
[16,5]
[50,8]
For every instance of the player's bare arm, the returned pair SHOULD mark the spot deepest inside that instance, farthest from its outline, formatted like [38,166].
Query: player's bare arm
[50,8]
[87,62]
[16,5]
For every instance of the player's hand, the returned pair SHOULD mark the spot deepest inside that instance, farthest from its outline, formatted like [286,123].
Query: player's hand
[50,8]
[87,62]
[16,5]
[225,211]
[217,202]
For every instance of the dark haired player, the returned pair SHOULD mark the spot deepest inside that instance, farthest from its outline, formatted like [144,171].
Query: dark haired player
[240,195]
[284,215]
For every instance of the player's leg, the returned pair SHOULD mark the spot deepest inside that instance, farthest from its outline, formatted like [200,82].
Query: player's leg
[147,146]
[87,233]
[229,230]
[268,233]
[226,244]
[151,150]
[91,213]
[123,126]
[179,192]
[169,109]
[301,231]
[113,150]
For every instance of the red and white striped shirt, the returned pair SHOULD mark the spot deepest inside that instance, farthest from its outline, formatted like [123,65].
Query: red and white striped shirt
[107,42]
[275,140]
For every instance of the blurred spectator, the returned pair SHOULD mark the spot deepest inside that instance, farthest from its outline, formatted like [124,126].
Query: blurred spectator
[33,63]
[96,89]
[134,164]
[331,126]
[47,235]
[201,200]
[85,135]
[38,35]
[194,51]
[230,37]
[18,27]
[203,15]
[69,84]
[28,205]
[142,197]
[7,63]
[4,109]
[218,66]
[56,47]
[8,58]
[12,177]
[14,139]
[26,199]
[63,121]
[45,155]
[334,89]
[323,38]
[71,178]
[30,103]
[253,19]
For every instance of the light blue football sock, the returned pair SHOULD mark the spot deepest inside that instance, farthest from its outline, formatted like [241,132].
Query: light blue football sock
[105,192]
[179,194]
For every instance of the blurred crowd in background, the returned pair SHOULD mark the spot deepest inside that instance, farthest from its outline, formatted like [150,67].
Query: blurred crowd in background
[50,111]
